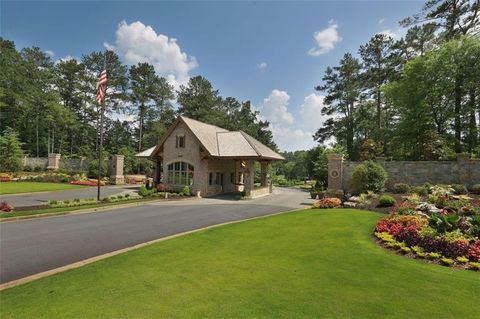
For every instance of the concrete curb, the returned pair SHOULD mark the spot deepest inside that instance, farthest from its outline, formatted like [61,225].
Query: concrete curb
[84,262]
[91,210]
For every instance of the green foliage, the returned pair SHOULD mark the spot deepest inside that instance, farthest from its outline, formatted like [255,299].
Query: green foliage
[420,190]
[144,192]
[186,191]
[93,168]
[460,189]
[476,189]
[401,188]
[444,223]
[369,176]
[11,150]
[387,201]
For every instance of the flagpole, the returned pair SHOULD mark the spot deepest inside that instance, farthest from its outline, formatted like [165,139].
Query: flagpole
[100,147]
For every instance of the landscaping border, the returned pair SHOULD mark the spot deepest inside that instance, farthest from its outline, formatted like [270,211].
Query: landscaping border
[93,210]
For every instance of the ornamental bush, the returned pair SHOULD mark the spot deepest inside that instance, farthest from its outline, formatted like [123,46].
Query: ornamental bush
[387,201]
[401,188]
[369,176]
[459,189]
[476,189]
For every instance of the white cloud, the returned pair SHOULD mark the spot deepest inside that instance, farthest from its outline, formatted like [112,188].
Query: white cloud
[394,34]
[311,112]
[291,139]
[288,133]
[262,65]
[382,20]
[137,43]
[50,53]
[66,58]
[275,108]
[325,39]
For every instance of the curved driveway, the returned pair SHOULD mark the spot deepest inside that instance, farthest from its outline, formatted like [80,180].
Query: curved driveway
[32,246]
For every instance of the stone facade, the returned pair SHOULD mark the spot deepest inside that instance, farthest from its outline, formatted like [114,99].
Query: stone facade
[464,171]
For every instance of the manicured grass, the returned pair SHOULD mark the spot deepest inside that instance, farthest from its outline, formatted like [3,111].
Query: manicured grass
[307,264]
[31,187]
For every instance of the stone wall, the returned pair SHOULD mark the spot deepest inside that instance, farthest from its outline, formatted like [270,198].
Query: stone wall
[464,171]
[34,162]
[74,164]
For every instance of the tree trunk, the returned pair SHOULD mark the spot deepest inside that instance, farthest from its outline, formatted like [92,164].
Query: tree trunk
[472,129]
[458,108]
[379,108]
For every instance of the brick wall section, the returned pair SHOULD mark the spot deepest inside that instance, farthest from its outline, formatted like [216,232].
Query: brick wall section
[462,171]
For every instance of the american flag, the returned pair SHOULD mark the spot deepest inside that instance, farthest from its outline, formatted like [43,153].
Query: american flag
[102,86]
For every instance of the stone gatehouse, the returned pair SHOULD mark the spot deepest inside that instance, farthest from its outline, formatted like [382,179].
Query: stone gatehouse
[209,159]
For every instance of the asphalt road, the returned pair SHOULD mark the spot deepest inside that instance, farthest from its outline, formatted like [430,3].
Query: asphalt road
[41,198]
[31,246]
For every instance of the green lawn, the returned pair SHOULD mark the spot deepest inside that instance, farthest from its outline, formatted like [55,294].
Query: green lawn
[31,187]
[307,264]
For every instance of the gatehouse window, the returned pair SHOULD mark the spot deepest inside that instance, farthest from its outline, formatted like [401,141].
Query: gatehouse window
[180,141]
[180,173]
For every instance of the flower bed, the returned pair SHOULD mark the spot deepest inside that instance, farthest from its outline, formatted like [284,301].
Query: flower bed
[445,230]
[90,182]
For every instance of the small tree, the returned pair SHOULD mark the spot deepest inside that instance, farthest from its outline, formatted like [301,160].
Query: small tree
[369,176]
[11,150]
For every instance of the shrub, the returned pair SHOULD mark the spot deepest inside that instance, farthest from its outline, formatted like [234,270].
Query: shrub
[5,207]
[66,201]
[119,197]
[186,191]
[37,169]
[420,190]
[369,176]
[401,188]
[127,195]
[11,150]
[405,208]
[143,191]
[446,261]
[387,201]
[27,168]
[462,259]
[52,202]
[76,200]
[329,202]
[474,265]
[459,189]
[162,187]
[474,251]
[475,189]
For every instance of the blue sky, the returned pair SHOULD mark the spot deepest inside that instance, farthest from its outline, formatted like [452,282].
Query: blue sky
[271,53]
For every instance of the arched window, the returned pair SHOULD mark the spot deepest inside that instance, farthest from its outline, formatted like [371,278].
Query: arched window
[180,173]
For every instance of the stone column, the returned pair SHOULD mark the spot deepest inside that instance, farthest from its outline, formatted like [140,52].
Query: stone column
[463,162]
[335,175]
[248,177]
[116,169]
[53,161]
[264,173]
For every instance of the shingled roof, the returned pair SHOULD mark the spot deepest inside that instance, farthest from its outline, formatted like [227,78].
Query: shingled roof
[219,142]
